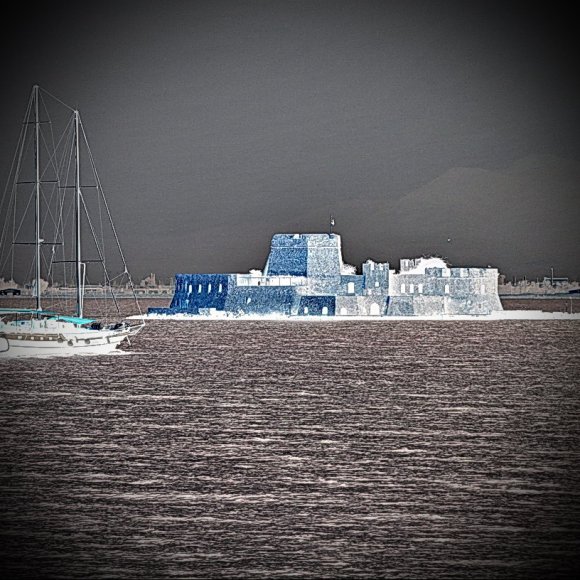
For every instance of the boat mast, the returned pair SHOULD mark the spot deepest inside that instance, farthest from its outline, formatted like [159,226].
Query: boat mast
[37,241]
[78,218]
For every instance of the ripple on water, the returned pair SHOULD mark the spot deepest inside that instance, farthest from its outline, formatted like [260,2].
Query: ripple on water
[270,449]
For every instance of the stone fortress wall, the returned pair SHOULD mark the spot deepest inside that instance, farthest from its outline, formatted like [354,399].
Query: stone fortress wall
[305,275]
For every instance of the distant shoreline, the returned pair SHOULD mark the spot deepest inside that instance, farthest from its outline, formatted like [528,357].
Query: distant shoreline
[539,296]
[165,295]
[547,303]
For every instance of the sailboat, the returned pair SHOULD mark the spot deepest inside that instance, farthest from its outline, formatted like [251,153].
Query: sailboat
[54,194]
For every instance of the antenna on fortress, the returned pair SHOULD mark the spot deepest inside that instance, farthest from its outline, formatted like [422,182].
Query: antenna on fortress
[331,225]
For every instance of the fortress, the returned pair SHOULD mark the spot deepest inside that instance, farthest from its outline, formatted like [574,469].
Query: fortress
[304,275]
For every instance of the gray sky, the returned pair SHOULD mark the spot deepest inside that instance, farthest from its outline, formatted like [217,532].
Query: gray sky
[216,124]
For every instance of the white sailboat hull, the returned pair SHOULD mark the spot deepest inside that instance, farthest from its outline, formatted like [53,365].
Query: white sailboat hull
[36,338]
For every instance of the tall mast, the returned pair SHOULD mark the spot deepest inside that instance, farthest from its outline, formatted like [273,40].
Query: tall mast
[37,241]
[78,263]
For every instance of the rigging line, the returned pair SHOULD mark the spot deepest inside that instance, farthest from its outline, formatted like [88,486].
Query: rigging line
[60,223]
[9,220]
[51,127]
[12,248]
[30,276]
[89,221]
[25,213]
[57,167]
[66,136]
[49,151]
[99,252]
[48,213]
[17,232]
[67,159]
[65,171]
[51,264]
[15,171]
[48,207]
[53,161]
[18,151]
[98,196]
[109,216]
[6,247]
[57,221]
[47,265]
[54,151]
[101,227]
[59,234]
[56,99]
[27,126]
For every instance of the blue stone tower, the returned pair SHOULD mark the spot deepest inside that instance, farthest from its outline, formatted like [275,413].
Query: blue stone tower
[308,255]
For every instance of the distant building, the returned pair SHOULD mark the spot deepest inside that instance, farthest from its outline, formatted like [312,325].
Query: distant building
[551,281]
[149,282]
[305,276]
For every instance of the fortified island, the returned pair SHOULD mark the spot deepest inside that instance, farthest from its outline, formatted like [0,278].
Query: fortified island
[305,276]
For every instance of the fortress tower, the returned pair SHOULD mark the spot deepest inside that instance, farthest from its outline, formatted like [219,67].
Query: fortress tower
[308,255]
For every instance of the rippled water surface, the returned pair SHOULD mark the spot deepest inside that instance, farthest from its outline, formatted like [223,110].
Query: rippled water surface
[298,449]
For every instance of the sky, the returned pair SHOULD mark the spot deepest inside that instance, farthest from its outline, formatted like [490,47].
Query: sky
[424,128]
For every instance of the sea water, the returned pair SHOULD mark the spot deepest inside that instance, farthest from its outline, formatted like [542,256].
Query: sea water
[258,449]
